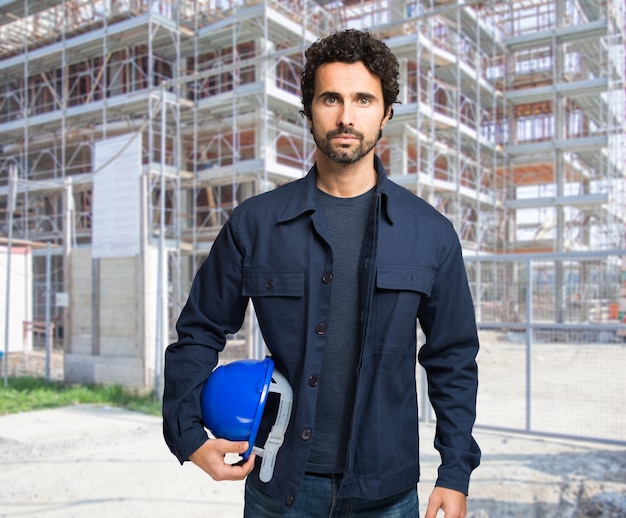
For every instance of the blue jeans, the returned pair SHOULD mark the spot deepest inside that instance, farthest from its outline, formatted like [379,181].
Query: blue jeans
[317,498]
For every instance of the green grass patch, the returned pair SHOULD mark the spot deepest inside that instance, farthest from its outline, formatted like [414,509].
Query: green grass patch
[24,394]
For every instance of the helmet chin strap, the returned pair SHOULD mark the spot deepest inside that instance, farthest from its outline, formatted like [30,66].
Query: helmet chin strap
[274,441]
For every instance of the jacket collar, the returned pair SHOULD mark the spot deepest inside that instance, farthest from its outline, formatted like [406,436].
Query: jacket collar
[304,198]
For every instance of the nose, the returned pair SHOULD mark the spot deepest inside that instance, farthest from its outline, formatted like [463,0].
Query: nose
[345,116]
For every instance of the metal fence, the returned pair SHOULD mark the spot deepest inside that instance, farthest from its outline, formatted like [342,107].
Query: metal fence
[552,331]
[553,343]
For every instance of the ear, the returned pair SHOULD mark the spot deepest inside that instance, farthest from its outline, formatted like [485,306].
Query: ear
[309,122]
[388,116]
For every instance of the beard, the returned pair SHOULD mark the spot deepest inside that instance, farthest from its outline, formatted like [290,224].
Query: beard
[344,154]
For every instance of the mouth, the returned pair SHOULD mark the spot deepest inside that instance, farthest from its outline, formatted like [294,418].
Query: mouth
[344,139]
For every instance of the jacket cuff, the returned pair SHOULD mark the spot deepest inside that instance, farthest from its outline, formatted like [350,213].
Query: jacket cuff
[190,445]
[452,478]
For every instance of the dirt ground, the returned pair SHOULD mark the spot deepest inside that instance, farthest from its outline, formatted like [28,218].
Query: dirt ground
[87,461]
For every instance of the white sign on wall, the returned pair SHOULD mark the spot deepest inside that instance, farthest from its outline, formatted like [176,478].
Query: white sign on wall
[62,299]
[117,197]
[20,304]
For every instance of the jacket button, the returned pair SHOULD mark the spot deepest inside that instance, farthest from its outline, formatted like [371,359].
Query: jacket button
[327,277]
[306,434]
[289,500]
[269,284]
[320,328]
[313,380]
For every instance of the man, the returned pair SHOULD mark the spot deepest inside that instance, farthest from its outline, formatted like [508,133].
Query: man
[339,265]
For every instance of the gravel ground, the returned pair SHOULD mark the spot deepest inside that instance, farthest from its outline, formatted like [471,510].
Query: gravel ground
[87,461]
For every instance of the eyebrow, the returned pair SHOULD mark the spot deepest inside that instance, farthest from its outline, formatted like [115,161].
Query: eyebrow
[356,94]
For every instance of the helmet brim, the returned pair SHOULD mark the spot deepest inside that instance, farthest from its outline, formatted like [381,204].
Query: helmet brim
[256,423]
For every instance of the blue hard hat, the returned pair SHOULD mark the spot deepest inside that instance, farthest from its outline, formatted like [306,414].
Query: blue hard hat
[233,399]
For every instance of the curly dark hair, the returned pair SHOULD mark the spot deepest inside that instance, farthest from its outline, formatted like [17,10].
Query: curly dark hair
[351,46]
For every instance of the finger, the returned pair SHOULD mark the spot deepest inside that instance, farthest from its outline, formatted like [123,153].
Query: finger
[432,510]
[237,471]
[246,463]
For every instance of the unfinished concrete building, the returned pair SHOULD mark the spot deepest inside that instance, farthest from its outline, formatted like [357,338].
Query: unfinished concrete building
[129,129]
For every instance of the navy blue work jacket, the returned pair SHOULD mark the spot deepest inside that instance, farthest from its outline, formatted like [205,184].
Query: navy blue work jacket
[276,250]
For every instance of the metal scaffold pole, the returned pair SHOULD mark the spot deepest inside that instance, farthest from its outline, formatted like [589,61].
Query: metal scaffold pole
[10,208]
[161,292]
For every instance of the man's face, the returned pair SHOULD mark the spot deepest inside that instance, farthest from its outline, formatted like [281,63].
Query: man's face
[347,111]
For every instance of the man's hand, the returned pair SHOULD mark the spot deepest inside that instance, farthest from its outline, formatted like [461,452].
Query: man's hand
[210,457]
[453,503]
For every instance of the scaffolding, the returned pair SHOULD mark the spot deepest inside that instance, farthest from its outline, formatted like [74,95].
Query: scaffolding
[511,123]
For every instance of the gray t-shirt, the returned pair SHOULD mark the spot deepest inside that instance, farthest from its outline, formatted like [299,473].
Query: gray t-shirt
[347,221]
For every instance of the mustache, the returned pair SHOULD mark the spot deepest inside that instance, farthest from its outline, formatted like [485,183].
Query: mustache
[344,131]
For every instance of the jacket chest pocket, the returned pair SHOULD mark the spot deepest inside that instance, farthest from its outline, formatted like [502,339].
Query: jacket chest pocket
[399,291]
[272,283]
[278,297]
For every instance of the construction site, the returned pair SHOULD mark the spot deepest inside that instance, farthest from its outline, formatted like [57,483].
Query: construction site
[130,129]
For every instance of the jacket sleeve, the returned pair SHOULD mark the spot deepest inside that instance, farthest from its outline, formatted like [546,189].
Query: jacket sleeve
[214,309]
[449,359]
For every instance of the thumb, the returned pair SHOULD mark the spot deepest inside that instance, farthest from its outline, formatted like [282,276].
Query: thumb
[243,446]
[224,446]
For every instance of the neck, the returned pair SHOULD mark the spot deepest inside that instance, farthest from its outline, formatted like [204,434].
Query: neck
[345,180]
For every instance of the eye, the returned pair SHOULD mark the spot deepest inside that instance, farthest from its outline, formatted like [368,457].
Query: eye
[331,99]
[364,101]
